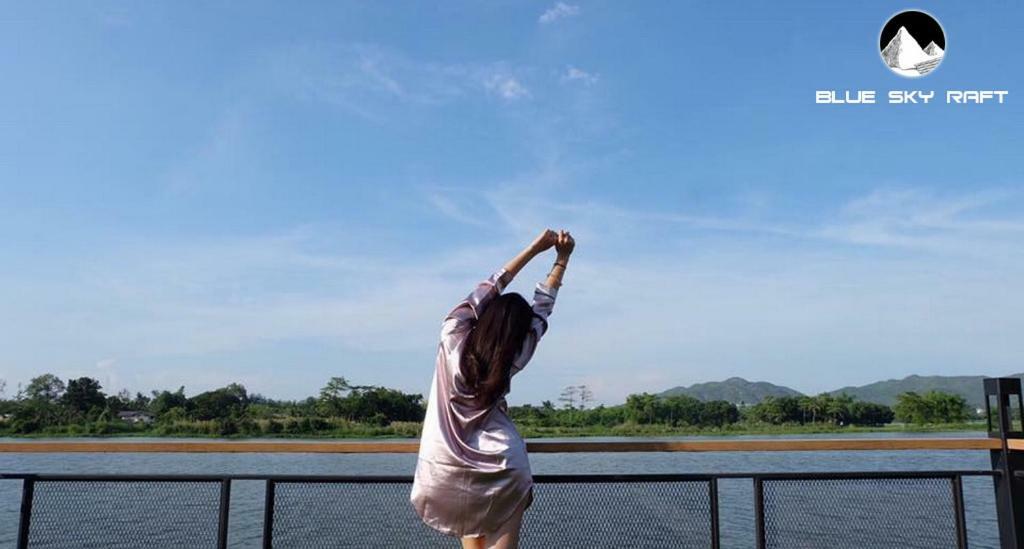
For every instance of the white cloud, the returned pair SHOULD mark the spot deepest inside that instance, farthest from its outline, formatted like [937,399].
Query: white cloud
[359,77]
[560,10]
[506,87]
[448,206]
[574,74]
[378,83]
[922,220]
[222,158]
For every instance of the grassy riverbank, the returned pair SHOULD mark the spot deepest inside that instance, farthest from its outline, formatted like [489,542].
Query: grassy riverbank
[410,430]
[741,429]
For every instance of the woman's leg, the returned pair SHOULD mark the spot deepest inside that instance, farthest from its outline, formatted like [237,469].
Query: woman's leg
[473,543]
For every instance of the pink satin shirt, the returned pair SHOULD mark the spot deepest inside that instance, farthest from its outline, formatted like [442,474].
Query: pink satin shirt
[472,472]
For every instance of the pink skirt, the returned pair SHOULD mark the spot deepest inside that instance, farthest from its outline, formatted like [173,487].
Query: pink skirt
[460,501]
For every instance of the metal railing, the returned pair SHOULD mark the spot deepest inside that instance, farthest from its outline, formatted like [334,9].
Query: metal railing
[856,510]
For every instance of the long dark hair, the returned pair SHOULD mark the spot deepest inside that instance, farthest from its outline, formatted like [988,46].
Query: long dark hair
[491,346]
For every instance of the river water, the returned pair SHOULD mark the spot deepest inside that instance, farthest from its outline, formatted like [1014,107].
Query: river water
[737,523]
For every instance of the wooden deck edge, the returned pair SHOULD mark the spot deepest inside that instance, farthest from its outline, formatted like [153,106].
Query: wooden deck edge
[411,447]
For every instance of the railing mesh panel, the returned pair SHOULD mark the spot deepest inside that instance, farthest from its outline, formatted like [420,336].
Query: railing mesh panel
[896,513]
[614,515]
[335,514]
[124,514]
[590,514]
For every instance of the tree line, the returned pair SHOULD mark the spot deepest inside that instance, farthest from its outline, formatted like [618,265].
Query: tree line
[823,410]
[838,410]
[50,405]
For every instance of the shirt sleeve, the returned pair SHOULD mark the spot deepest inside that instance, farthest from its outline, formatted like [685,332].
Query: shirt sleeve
[543,304]
[462,317]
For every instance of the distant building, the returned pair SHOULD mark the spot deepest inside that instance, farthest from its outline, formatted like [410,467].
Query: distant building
[135,417]
[6,417]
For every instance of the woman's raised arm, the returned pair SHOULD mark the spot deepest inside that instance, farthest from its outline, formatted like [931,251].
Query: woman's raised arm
[564,245]
[469,309]
[542,243]
[544,301]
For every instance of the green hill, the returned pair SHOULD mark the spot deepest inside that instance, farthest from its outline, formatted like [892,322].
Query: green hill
[735,389]
[738,390]
[884,392]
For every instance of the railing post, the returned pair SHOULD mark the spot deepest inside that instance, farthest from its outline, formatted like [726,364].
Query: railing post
[1009,488]
[225,512]
[958,510]
[759,513]
[27,492]
[713,502]
[268,516]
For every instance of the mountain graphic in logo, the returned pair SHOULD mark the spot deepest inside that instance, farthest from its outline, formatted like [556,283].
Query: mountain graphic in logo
[901,40]
[933,50]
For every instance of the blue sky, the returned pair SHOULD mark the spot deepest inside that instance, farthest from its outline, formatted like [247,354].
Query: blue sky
[276,194]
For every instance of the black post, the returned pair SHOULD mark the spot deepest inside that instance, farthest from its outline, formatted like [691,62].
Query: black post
[225,511]
[713,502]
[28,487]
[268,516]
[759,512]
[958,509]
[1009,488]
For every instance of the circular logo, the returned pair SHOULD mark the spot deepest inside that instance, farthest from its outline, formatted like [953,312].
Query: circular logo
[912,43]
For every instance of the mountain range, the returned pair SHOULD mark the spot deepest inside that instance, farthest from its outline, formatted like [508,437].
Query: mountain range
[735,389]
[738,390]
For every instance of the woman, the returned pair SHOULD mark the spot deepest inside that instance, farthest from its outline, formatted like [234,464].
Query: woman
[473,477]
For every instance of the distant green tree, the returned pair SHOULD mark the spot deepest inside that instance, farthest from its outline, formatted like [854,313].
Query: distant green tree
[82,395]
[38,405]
[222,403]
[337,387]
[870,414]
[808,409]
[678,410]
[820,407]
[377,405]
[165,400]
[837,408]
[45,388]
[568,398]
[332,397]
[931,407]
[585,396]
[674,410]
[171,415]
[383,405]
[719,413]
[124,400]
[642,408]
[777,410]
[947,407]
